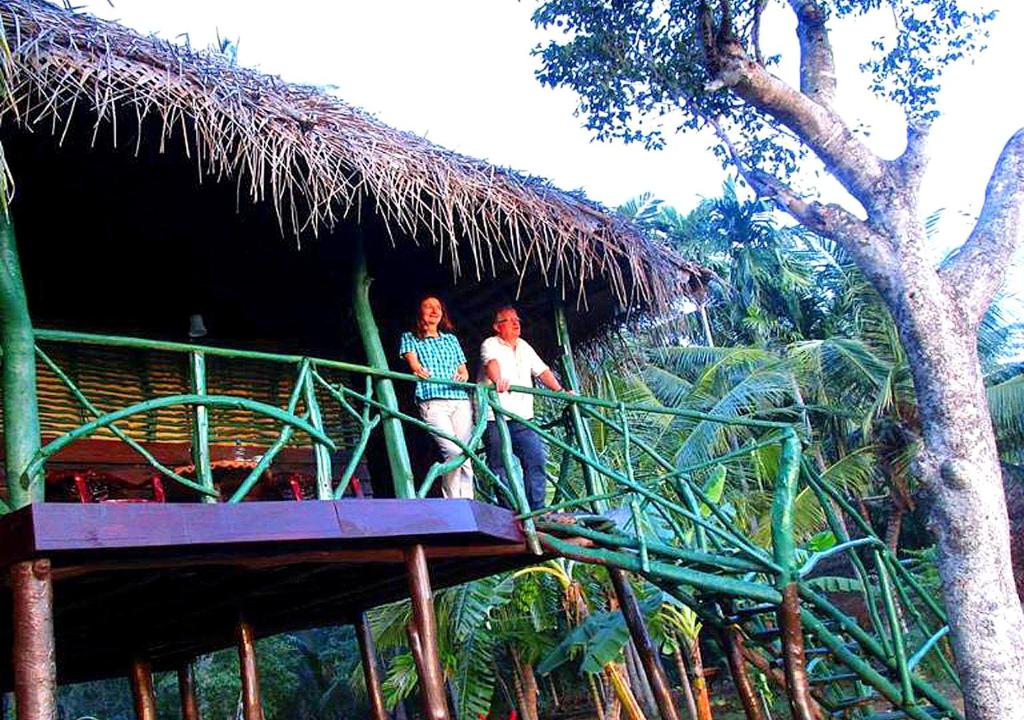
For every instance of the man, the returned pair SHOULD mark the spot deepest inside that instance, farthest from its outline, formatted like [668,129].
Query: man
[509,360]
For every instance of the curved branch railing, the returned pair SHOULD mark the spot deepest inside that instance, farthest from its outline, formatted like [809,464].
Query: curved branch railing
[635,506]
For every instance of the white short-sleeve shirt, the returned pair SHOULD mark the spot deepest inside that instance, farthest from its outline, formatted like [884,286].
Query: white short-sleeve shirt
[520,365]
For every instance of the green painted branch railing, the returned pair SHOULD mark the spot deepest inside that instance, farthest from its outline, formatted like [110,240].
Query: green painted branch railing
[638,506]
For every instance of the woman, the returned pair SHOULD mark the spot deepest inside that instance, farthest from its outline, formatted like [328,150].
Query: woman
[432,351]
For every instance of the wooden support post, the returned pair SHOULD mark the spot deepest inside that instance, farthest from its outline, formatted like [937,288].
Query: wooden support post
[731,640]
[801,704]
[371,671]
[376,357]
[35,672]
[187,692]
[423,635]
[644,646]
[252,709]
[21,409]
[142,689]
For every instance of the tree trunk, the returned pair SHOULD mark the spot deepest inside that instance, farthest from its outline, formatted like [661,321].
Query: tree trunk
[1015,507]
[684,681]
[638,681]
[527,686]
[705,325]
[731,640]
[595,696]
[700,684]
[960,467]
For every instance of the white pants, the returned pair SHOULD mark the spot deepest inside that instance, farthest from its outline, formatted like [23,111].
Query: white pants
[454,418]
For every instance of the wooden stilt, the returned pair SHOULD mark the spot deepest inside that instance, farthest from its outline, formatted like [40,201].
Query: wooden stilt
[423,632]
[644,646]
[187,692]
[35,672]
[732,643]
[368,653]
[252,709]
[801,704]
[142,689]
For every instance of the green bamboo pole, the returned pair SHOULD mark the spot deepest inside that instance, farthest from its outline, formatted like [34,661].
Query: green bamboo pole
[31,582]
[320,453]
[892,617]
[394,436]
[719,563]
[383,372]
[201,426]
[594,484]
[869,644]
[672,573]
[516,481]
[21,409]
[785,490]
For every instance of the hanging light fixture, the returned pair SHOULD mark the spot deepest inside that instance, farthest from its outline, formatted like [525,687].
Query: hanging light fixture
[196,327]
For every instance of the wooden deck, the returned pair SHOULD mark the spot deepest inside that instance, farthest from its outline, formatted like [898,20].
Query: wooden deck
[171,580]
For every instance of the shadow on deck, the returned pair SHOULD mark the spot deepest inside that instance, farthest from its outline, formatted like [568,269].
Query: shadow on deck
[171,580]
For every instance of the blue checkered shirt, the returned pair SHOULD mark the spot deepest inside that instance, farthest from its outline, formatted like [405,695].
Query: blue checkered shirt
[442,356]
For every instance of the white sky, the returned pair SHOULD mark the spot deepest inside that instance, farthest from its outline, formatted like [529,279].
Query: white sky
[460,73]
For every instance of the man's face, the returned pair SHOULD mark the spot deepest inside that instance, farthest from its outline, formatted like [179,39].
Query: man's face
[506,325]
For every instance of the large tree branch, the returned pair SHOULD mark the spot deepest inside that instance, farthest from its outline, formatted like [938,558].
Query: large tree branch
[914,160]
[861,172]
[817,65]
[975,271]
[873,253]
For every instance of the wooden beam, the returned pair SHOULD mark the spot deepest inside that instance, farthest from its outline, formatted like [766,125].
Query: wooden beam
[423,636]
[371,671]
[802,706]
[731,639]
[252,709]
[187,692]
[35,670]
[141,678]
[644,645]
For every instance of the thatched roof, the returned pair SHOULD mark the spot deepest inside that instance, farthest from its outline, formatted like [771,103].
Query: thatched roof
[318,161]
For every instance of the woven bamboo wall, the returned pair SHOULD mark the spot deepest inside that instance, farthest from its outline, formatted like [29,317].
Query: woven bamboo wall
[114,378]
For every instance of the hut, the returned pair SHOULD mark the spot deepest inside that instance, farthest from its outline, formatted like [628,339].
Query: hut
[152,186]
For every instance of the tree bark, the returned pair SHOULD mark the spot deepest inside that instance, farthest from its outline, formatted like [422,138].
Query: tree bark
[33,661]
[960,467]
[651,680]
[595,696]
[700,683]
[732,644]
[371,670]
[526,686]
[684,680]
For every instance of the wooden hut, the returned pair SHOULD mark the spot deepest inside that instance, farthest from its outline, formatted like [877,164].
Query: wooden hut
[150,184]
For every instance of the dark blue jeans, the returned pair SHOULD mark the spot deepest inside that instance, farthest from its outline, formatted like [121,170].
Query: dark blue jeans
[529,448]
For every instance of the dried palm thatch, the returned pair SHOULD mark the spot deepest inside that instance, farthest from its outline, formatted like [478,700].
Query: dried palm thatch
[318,159]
